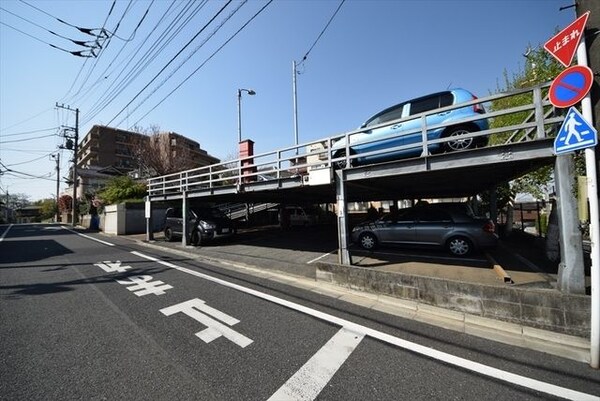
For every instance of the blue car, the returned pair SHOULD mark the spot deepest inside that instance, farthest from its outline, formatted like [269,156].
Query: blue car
[407,132]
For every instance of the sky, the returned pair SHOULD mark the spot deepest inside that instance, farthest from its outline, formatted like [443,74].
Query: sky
[178,65]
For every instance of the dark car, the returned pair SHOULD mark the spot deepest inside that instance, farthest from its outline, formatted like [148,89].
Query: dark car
[204,224]
[452,226]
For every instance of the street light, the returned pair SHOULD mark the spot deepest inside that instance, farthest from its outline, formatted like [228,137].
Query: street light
[251,93]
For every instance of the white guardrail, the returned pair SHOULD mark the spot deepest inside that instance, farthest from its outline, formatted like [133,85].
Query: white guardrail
[535,118]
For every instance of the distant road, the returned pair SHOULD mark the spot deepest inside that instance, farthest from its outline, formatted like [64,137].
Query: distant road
[85,316]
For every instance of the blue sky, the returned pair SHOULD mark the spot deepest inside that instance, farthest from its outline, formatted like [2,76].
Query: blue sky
[374,54]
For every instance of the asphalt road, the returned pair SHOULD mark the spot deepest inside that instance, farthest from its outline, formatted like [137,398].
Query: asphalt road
[86,317]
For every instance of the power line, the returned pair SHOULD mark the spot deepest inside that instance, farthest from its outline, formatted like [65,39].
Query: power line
[30,132]
[170,61]
[116,87]
[210,36]
[322,32]
[30,161]
[30,176]
[27,139]
[84,64]
[87,31]
[77,42]
[26,120]
[206,61]
[79,53]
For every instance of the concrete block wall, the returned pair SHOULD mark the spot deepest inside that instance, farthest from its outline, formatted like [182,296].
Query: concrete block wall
[128,218]
[537,308]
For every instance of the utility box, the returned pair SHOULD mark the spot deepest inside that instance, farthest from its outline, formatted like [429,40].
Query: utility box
[321,176]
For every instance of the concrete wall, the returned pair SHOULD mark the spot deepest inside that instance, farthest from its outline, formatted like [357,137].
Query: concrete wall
[543,309]
[128,218]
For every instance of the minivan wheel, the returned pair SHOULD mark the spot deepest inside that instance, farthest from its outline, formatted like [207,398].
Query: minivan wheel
[169,234]
[368,241]
[195,238]
[459,246]
[459,144]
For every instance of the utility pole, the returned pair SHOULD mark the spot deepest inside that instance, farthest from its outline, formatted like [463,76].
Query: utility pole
[590,106]
[294,90]
[57,158]
[7,199]
[75,139]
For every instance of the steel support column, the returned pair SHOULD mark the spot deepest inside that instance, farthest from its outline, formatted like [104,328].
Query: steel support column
[571,277]
[148,215]
[184,215]
[342,221]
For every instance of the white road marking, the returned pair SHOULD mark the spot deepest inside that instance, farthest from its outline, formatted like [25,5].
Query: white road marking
[143,285]
[5,232]
[111,267]
[214,329]
[321,257]
[463,363]
[309,381]
[88,237]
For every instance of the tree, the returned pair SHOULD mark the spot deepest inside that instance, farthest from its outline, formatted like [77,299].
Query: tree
[540,67]
[48,208]
[17,201]
[157,155]
[120,189]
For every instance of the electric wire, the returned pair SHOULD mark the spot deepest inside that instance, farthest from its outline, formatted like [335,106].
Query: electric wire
[79,53]
[87,31]
[26,120]
[77,42]
[29,132]
[322,32]
[205,61]
[170,61]
[107,42]
[30,161]
[27,139]
[84,64]
[184,61]
[87,91]
[116,87]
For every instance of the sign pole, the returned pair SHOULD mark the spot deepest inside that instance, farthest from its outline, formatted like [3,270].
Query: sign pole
[592,188]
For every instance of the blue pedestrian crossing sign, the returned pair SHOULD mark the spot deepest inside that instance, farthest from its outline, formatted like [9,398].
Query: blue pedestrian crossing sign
[575,133]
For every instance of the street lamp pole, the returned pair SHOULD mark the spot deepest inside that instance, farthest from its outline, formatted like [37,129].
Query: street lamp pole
[239,99]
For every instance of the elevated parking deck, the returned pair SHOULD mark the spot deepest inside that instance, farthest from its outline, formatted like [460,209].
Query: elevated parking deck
[305,173]
[519,140]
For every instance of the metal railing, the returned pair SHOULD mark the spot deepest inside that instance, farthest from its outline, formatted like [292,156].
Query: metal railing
[536,119]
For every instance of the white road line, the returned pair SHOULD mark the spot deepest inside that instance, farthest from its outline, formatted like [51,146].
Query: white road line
[4,233]
[309,381]
[321,257]
[88,237]
[476,367]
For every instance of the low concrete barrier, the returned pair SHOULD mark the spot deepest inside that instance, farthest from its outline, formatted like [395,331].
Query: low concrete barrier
[538,308]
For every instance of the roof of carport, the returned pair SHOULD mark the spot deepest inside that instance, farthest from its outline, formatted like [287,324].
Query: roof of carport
[455,174]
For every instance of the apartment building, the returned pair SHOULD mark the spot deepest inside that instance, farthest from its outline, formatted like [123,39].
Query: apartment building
[105,152]
[113,147]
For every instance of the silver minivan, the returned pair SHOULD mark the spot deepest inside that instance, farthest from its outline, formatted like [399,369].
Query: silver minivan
[452,226]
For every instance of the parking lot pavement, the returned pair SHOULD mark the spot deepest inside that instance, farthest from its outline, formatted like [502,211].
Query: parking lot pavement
[295,251]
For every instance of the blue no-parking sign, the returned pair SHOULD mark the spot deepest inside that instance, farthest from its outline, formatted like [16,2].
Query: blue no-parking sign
[575,133]
[571,86]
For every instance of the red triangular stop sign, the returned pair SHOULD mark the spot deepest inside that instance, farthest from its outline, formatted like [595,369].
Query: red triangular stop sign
[564,44]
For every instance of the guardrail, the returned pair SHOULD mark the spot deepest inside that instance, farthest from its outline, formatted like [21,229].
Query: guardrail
[533,118]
